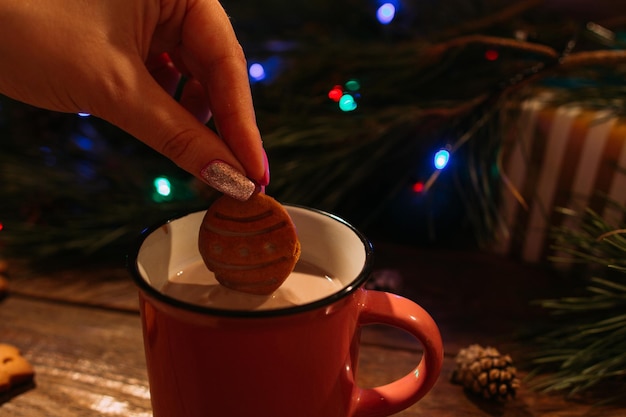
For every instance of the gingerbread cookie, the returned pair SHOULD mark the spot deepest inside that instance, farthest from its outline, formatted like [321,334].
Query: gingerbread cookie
[14,369]
[250,246]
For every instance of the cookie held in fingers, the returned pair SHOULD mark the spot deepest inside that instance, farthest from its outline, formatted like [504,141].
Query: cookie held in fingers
[251,246]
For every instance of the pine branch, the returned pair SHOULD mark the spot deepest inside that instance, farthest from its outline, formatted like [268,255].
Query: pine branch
[590,58]
[500,16]
[437,50]
[587,344]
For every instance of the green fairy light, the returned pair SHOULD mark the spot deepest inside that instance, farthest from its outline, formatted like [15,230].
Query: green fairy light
[162,189]
[353,85]
[347,103]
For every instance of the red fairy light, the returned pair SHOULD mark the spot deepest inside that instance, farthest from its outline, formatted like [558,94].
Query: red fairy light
[491,55]
[418,187]
[336,93]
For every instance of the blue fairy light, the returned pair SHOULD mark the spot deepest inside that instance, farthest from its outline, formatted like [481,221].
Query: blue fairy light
[84,143]
[386,13]
[257,72]
[442,157]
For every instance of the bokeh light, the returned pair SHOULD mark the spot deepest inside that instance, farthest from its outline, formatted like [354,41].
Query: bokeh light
[347,103]
[257,72]
[335,93]
[386,13]
[442,157]
[353,85]
[163,186]
[418,187]
[491,55]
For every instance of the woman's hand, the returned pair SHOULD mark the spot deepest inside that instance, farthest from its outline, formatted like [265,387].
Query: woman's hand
[121,60]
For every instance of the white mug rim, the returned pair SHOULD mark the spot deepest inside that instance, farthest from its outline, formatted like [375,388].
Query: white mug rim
[152,292]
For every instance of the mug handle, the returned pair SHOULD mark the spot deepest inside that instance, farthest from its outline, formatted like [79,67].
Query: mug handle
[384,308]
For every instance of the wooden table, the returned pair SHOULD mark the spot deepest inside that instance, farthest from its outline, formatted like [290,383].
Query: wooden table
[81,331]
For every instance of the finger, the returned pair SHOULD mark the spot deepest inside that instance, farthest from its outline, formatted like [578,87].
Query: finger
[194,99]
[164,72]
[178,63]
[212,53]
[151,115]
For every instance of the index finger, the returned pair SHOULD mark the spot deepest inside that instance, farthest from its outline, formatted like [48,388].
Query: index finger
[213,55]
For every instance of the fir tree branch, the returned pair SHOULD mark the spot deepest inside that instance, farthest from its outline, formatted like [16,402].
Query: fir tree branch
[590,58]
[503,15]
[437,50]
[586,346]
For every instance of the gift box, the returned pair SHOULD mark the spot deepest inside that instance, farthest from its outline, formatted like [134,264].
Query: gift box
[555,159]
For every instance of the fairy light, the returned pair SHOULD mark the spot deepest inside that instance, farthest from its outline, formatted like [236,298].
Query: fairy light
[84,143]
[491,55]
[442,157]
[163,186]
[418,187]
[335,93]
[386,13]
[347,103]
[346,95]
[353,85]
[257,72]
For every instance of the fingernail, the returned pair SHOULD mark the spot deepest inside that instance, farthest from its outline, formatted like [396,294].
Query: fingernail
[226,179]
[266,176]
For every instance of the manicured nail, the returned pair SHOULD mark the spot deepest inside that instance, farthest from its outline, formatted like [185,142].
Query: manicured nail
[266,176]
[223,177]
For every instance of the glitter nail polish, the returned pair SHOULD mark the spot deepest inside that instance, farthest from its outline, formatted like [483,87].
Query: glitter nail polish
[226,179]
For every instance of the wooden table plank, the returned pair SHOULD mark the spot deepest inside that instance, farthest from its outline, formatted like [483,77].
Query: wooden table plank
[104,286]
[87,361]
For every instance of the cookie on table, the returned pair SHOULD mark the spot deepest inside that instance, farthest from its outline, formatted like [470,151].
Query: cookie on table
[250,246]
[14,369]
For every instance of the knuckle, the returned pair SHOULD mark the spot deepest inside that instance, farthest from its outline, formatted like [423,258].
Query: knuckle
[178,147]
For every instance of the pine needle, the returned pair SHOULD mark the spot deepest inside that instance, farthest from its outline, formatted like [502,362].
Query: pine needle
[586,345]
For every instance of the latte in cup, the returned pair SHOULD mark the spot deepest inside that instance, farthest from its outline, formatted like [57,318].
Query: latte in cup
[195,284]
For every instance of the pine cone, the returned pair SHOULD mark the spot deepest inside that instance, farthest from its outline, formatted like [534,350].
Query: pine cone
[485,372]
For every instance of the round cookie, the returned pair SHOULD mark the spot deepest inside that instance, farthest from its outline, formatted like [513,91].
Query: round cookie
[250,246]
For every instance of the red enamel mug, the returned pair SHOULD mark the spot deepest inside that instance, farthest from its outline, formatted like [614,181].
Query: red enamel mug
[293,361]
